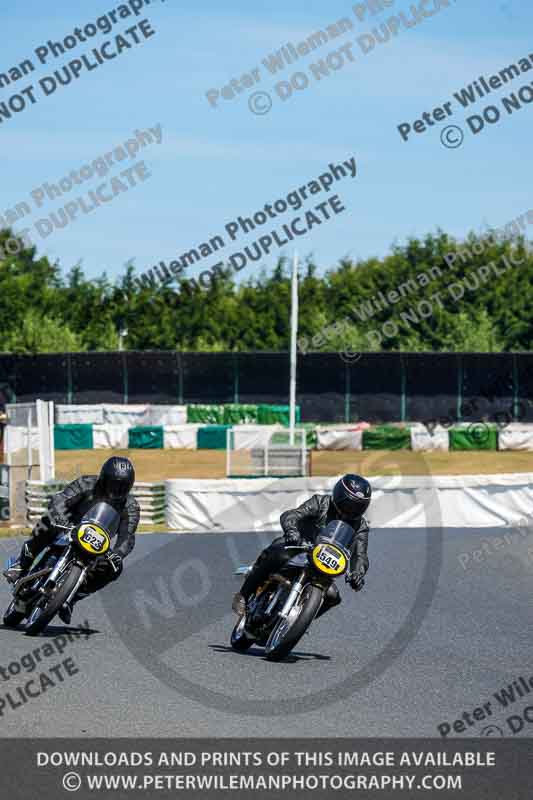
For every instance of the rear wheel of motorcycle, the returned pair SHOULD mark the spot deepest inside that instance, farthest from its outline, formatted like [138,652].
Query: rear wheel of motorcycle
[12,617]
[43,613]
[239,639]
[283,638]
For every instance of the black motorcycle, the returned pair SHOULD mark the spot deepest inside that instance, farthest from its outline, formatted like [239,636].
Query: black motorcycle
[285,606]
[59,572]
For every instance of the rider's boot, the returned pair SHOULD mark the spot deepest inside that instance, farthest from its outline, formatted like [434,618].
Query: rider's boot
[67,609]
[331,599]
[65,612]
[21,566]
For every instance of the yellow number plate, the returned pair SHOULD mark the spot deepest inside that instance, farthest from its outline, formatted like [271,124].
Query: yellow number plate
[93,539]
[329,559]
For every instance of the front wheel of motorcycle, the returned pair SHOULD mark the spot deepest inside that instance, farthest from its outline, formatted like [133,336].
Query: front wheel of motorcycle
[12,617]
[288,632]
[47,608]
[239,639]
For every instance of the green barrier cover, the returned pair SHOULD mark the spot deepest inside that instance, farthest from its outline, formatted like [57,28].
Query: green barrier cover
[387,437]
[146,437]
[73,437]
[212,437]
[311,439]
[206,415]
[240,414]
[273,415]
[282,437]
[310,434]
[478,436]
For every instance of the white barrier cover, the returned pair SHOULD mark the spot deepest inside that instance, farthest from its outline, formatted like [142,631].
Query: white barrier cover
[16,438]
[78,415]
[516,439]
[106,436]
[133,415]
[245,437]
[402,501]
[127,415]
[17,414]
[342,438]
[167,415]
[424,439]
[180,437]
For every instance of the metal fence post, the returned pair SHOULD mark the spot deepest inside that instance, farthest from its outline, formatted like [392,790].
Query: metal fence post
[347,391]
[235,377]
[69,379]
[459,387]
[403,388]
[125,376]
[180,378]
[516,388]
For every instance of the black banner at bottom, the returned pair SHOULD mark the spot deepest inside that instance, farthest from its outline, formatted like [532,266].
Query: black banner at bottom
[51,769]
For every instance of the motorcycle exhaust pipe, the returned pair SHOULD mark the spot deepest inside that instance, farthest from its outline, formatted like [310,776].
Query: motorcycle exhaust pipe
[280,579]
[32,577]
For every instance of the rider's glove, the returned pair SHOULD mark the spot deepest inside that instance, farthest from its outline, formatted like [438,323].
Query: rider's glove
[61,519]
[292,537]
[115,561]
[356,579]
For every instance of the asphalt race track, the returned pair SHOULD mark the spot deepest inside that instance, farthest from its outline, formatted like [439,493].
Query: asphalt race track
[435,632]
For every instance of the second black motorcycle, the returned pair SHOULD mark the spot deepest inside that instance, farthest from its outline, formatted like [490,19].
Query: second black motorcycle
[60,571]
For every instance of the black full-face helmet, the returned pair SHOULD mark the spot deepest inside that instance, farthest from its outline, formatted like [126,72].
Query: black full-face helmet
[117,476]
[351,496]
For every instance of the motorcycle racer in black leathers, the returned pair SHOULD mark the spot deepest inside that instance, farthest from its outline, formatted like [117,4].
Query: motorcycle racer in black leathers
[348,502]
[112,485]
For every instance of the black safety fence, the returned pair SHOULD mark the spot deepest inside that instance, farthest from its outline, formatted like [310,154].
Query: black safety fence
[331,387]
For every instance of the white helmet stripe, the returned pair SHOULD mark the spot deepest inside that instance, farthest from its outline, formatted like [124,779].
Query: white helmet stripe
[348,489]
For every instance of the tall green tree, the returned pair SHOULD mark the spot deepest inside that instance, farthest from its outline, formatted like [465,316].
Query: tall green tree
[369,304]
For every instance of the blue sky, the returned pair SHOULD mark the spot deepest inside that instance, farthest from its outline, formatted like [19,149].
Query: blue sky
[217,163]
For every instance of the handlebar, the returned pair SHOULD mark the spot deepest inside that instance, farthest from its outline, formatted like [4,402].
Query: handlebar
[303,548]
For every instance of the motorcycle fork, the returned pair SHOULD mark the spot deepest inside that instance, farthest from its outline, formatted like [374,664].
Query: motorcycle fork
[294,595]
[58,567]
[79,583]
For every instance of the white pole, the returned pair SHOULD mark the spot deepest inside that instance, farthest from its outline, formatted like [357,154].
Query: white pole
[7,444]
[294,336]
[42,443]
[44,439]
[51,421]
[29,451]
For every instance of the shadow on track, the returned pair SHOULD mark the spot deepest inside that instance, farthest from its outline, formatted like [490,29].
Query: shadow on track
[293,658]
[54,630]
